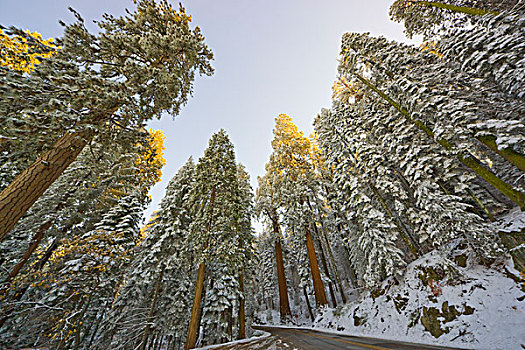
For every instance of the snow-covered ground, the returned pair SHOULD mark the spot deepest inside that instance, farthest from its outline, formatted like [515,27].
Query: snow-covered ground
[514,221]
[262,341]
[258,336]
[443,301]
[481,309]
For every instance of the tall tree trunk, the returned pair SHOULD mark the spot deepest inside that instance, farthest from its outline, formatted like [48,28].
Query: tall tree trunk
[326,271]
[149,319]
[191,340]
[5,313]
[28,186]
[284,304]
[338,279]
[511,156]
[37,238]
[41,232]
[460,9]
[412,245]
[242,315]
[322,233]
[308,305]
[467,159]
[320,296]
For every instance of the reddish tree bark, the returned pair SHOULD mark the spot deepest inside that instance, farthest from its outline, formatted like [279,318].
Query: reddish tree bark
[28,186]
[320,296]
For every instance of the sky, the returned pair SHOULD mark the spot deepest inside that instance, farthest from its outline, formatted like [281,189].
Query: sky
[271,57]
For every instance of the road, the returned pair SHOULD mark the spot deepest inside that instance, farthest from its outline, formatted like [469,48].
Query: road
[301,339]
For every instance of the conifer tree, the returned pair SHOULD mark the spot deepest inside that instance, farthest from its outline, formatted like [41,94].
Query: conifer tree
[267,206]
[291,179]
[77,212]
[432,17]
[358,56]
[160,268]
[216,234]
[147,61]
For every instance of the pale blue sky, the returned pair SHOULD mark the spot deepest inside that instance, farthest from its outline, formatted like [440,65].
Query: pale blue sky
[271,57]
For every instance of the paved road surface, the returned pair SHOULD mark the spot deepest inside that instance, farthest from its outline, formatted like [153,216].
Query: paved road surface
[300,339]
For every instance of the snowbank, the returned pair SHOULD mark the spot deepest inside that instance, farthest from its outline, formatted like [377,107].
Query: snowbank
[471,307]
[261,335]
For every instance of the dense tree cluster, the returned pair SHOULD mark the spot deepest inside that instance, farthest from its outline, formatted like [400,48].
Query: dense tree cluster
[421,150]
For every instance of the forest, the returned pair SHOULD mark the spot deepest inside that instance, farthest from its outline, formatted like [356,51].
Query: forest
[414,178]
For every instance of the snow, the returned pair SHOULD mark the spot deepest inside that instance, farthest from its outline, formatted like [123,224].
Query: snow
[497,322]
[261,335]
[514,221]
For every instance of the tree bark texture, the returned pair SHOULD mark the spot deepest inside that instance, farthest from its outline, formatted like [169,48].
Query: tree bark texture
[194,321]
[284,304]
[28,186]
[320,296]
[149,319]
[242,315]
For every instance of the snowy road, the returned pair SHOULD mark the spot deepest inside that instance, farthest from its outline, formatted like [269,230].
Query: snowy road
[300,339]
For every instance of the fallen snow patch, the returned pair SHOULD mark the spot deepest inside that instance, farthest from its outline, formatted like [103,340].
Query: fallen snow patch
[477,308]
[262,335]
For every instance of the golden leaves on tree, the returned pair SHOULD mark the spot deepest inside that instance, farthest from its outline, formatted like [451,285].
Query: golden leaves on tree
[24,53]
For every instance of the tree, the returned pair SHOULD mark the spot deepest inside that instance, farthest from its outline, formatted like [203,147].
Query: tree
[72,210]
[156,295]
[371,233]
[432,17]
[128,74]
[291,180]
[266,205]
[357,58]
[88,188]
[217,231]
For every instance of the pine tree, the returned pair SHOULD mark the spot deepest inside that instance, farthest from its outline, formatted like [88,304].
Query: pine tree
[291,180]
[433,17]
[139,56]
[216,235]
[160,268]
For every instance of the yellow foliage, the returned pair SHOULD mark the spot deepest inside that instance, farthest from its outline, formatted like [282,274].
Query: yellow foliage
[149,225]
[151,160]
[346,91]
[431,47]
[22,53]
[291,147]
